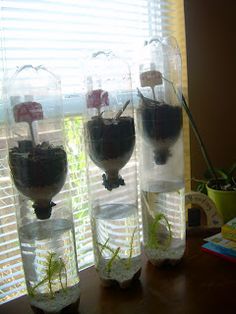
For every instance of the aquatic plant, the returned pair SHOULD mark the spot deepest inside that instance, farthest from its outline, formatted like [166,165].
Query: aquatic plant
[115,253]
[154,227]
[55,269]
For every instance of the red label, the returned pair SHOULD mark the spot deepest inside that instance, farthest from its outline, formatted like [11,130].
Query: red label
[28,112]
[97,99]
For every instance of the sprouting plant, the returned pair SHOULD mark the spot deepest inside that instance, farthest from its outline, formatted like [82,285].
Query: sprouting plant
[105,246]
[55,268]
[153,232]
[110,263]
[128,264]
[115,255]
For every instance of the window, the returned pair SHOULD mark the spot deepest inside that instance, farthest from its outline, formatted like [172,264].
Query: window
[61,34]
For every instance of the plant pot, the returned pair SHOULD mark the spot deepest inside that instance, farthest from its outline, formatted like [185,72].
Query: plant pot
[225,202]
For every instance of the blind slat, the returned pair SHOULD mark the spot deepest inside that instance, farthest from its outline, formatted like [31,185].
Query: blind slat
[60,33]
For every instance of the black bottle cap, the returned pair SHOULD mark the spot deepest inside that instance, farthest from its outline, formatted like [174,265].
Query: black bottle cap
[43,212]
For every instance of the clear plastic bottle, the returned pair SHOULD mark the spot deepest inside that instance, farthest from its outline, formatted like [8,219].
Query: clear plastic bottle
[159,117]
[38,164]
[110,142]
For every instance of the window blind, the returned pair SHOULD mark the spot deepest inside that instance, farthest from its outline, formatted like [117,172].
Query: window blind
[61,34]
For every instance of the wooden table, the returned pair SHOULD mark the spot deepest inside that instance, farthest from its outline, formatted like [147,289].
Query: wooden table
[202,283]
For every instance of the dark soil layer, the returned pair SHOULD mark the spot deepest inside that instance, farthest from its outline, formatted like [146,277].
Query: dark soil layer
[39,166]
[109,139]
[69,309]
[161,125]
[110,144]
[222,185]
[38,173]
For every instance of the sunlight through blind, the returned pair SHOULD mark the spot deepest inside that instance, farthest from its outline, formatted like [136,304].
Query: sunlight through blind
[60,34]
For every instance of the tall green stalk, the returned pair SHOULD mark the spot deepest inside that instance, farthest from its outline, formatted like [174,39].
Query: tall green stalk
[182,100]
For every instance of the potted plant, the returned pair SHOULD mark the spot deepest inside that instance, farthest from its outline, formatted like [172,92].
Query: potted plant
[223,197]
[220,185]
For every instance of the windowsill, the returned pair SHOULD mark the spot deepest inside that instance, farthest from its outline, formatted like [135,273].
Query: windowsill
[202,283]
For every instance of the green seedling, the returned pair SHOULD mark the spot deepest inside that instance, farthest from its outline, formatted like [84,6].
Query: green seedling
[128,264]
[153,242]
[110,263]
[115,253]
[55,269]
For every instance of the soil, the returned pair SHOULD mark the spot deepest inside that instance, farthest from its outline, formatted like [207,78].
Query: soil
[111,144]
[222,185]
[38,173]
[161,124]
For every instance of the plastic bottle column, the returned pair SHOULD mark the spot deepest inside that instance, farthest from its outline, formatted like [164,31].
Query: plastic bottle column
[110,142]
[38,164]
[159,117]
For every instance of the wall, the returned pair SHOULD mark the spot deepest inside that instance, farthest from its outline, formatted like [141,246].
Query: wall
[211,59]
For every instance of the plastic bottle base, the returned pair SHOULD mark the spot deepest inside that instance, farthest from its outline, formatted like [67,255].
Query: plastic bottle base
[124,284]
[72,308]
[165,262]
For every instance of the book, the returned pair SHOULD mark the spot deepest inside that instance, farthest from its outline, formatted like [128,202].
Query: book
[213,249]
[224,245]
[229,230]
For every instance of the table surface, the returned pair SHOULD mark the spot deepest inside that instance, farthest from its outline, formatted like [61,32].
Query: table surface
[201,283]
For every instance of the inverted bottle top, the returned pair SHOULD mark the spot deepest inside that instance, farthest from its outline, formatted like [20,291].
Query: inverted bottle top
[34,84]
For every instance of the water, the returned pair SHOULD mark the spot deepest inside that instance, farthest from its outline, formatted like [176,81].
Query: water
[164,222]
[50,265]
[116,241]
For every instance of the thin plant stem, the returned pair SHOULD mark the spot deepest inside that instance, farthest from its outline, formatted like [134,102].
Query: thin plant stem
[153,241]
[199,139]
[50,276]
[119,113]
[60,278]
[131,248]
[32,134]
[37,285]
[195,130]
[62,267]
[109,264]
[153,92]
[105,246]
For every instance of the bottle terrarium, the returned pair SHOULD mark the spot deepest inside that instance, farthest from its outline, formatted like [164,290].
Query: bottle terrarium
[110,142]
[159,117]
[38,165]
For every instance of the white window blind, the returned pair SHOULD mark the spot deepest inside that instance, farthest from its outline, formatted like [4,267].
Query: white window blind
[61,34]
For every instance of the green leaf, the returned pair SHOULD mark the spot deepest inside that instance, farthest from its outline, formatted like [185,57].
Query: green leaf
[232,170]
